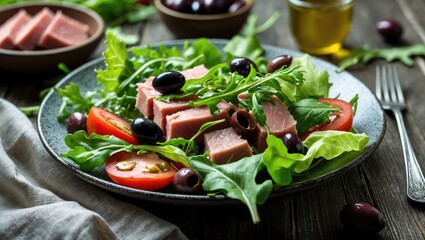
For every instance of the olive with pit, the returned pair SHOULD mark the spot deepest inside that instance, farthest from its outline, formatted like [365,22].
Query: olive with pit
[146,131]
[187,181]
[242,66]
[362,217]
[278,62]
[243,122]
[76,121]
[168,82]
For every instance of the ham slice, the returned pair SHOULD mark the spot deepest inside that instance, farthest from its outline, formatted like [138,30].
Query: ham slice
[226,146]
[63,31]
[11,27]
[187,123]
[28,37]
[146,93]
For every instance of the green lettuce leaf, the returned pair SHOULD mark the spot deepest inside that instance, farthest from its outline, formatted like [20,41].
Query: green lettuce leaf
[321,144]
[116,61]
[315,85]
[236,180]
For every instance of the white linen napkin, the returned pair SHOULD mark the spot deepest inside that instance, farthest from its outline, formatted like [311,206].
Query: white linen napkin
[41,199]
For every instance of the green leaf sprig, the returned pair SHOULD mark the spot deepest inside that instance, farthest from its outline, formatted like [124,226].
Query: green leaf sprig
[236,180]
[92,151]
[365,54]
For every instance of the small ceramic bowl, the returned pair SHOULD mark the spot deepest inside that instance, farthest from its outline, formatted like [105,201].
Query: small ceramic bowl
[43,61]
[186,25]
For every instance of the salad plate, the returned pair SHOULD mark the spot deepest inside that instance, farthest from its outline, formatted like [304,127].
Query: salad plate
[369,119]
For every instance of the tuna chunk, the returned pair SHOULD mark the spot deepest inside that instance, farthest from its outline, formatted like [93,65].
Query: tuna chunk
[226,146]
[145,96]
[63,31]
[11,27]
[30,34]
[146,93]
[187,123]
[279,121]
[162,109]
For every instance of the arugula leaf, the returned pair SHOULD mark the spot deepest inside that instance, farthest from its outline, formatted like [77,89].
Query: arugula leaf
[236,180]
[93,151]
[309,112]
[71,97]
[365,54]
[213,89]
[248,45]
[211,55]
[321,144]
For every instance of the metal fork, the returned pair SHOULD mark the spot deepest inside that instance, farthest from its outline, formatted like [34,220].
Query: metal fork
[389,92]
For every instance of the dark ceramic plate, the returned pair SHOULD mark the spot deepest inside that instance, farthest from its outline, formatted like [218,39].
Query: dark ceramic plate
[369,119]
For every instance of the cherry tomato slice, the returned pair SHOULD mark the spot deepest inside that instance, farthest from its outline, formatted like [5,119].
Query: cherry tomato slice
[341,120]
[146,171]
[103,122]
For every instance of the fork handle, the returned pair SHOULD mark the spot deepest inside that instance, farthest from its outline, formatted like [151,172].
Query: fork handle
[415,178]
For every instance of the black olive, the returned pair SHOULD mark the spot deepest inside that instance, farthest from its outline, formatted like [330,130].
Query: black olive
[146,131]
[362,217]
[179,5]
[215,6]
[187,181]
[242,66]
[293,143]
[391,30]
[278,62]
[243,123]
[76,121]
[168,82]
[238,4]
[197,7]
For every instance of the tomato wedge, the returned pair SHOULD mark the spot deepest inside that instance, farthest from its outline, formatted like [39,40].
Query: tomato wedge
[103,122]
[341,120]
[146,171]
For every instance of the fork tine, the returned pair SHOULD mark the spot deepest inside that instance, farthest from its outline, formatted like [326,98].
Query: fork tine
[398,85]
[385,83]
[378,83]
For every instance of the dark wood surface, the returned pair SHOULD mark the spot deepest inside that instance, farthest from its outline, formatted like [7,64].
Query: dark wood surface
[312,213]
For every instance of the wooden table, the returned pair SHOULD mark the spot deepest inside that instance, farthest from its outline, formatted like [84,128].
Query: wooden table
[312,213]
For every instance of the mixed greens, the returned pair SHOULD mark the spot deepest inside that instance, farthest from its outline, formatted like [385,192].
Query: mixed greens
[297,86]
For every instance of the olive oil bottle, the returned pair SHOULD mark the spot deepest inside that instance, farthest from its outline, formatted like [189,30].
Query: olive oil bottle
[320,26]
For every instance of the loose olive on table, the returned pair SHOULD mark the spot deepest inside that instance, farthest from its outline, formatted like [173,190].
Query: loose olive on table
[362,217]
[390,29]
[76,121]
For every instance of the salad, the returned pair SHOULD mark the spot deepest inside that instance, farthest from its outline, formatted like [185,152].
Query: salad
[118,137]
